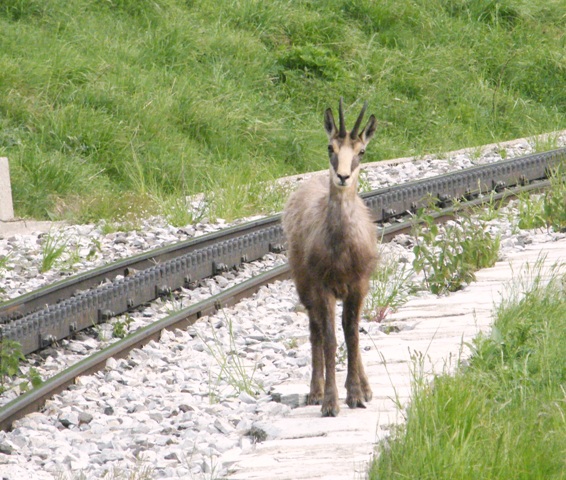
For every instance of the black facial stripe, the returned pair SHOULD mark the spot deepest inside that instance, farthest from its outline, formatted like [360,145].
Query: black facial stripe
[334,161]
[355,162]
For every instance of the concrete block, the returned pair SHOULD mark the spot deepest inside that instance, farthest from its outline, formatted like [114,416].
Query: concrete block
[6,206]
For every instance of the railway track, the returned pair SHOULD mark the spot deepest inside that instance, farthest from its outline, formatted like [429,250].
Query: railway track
[79,302]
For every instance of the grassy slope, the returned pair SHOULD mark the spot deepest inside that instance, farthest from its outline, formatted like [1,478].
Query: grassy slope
[112,105]
[502,417]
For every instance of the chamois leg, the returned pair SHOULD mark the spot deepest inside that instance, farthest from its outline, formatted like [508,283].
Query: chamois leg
[357,385]
[323,344]
[317,379]
[330,406]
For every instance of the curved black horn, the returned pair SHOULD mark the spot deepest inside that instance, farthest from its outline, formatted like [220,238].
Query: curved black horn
[354,132]
[342,132]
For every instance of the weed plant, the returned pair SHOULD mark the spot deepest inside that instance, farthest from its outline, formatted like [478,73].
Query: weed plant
[546,210]
[554,206]
[449,255]
[233,371]
[141,471]
[390,287]
[530,212]
[4,259]
[116,109]
[53,247]
[11,357]
[121,328]
[504,414]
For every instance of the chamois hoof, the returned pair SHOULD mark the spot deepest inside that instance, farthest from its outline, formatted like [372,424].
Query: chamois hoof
[355,401]
[330,409]
[368,394]
[314,399]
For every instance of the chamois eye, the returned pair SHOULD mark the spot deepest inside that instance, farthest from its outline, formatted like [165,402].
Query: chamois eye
[330,149]
[362,151]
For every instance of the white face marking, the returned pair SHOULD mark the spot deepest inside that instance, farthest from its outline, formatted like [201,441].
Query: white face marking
[344,165]
[343,175]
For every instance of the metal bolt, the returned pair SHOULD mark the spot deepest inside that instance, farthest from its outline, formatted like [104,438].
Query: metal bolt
[219,268]
[276,248]
[163,291]
[104,315]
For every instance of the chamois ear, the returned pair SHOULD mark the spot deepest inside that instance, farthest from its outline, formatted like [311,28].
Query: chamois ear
[369,130]
[329,123]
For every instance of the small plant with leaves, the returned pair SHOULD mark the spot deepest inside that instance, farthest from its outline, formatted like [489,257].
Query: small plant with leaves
[390,287]
[4,259]
[121,328]
[10,358]
[490,208]
[450,255]
[33,380]
[95,249]
[73,257]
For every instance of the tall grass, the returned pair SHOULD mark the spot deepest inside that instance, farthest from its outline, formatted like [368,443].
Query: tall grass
[504,415]
[105,104]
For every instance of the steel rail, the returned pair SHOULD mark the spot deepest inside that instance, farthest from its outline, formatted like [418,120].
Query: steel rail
[213,252]
[54,312]
[34,399]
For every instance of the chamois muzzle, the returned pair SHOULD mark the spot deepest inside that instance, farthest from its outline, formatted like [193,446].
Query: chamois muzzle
[343,179]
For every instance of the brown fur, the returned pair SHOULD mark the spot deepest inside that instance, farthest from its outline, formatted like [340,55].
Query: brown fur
[332,252]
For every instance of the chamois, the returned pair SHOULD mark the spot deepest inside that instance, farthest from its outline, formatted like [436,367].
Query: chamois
[332,251]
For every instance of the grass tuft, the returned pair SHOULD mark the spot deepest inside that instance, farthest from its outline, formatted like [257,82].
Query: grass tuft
[549,209]
[53,247]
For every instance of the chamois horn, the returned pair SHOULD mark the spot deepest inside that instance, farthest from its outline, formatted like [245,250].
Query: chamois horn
[342,132]
[354,132]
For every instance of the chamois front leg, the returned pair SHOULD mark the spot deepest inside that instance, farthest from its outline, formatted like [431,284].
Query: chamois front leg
[323,344]
[317,380]
[357,384]
[330,406]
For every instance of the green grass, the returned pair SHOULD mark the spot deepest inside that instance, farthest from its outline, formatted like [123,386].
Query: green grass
[53,247]
[504,415]
[549,209]
[114,108]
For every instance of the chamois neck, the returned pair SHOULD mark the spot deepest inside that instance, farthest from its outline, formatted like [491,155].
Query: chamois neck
[343,194]
[340,211]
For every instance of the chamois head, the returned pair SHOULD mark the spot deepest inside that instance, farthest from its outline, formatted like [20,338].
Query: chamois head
[347,148]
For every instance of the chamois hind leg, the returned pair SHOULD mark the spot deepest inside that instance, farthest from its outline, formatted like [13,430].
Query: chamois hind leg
[323,343]
[357,385]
